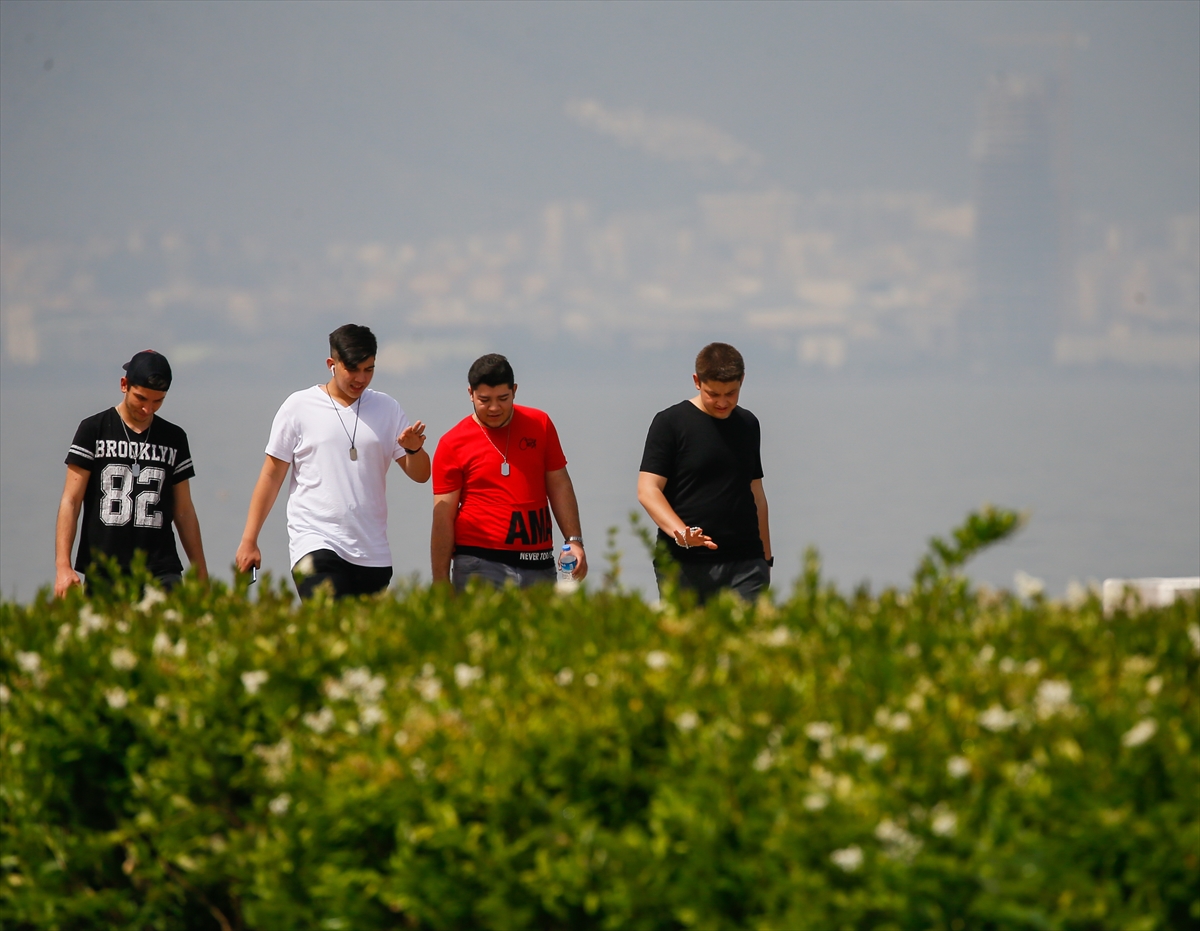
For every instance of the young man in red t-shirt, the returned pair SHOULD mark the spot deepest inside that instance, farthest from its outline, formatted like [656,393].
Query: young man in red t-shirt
[497,476]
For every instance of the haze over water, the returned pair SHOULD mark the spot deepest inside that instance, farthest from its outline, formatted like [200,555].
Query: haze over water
[597,191]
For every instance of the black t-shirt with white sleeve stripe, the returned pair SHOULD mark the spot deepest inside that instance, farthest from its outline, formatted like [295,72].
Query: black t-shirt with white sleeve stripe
[129,503]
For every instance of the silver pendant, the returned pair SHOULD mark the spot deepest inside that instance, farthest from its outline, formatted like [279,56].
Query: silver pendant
[353,454]
[136,470]
[504,468]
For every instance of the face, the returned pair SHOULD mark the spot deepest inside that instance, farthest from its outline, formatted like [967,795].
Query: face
[140,402]
[718,398]
[493,403]
[352,382]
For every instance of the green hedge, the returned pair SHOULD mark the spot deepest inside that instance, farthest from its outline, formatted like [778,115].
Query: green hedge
[941,757]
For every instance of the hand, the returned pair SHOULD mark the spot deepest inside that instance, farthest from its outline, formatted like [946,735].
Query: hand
[689,537]
[413,437]
[248,555]
[64,578]
[579,573]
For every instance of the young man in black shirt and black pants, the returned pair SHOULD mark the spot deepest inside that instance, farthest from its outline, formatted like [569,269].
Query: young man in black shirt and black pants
[701,482]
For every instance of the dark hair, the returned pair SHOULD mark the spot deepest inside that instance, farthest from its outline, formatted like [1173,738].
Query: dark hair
[491,370]
[720,362]
[352,345]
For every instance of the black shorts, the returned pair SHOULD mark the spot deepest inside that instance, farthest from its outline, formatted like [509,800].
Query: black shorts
[346,578]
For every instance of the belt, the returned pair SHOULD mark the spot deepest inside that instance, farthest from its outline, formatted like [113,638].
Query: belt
[532,559]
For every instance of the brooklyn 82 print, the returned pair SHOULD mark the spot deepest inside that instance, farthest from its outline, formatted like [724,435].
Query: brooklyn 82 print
[129,502]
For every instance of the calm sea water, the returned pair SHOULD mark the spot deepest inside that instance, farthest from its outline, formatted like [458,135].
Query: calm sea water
[1108,467]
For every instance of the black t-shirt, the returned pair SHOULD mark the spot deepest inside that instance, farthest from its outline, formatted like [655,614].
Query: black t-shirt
[709,464]
[124,511]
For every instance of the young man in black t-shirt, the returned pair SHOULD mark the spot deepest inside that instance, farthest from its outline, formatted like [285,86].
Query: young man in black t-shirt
[128,470]
[701,482]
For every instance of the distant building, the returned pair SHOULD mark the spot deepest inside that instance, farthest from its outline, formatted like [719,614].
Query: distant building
[1020,197]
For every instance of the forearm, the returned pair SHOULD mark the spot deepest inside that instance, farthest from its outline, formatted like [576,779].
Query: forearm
[416,466]
[188,526]
[563,503]
[764,528]
[656,505]
[64,532]
[441,546]
[266,490]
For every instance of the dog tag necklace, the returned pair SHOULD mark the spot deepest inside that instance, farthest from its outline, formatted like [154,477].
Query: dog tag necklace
[351,438]
[503,455]
[136,468]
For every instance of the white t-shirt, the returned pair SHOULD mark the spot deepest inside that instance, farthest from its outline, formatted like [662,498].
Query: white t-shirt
[334,502]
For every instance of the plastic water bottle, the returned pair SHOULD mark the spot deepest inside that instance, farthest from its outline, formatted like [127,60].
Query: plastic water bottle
[566,563]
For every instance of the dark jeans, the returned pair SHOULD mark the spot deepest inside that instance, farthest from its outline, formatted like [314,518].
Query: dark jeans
[747,577]
[346,578]
[464,568]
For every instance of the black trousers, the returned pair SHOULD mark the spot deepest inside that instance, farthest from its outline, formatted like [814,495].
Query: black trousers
[747,577]
[346,578]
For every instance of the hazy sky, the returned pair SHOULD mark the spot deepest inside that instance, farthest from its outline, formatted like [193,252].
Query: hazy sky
[312,122]
[302,125]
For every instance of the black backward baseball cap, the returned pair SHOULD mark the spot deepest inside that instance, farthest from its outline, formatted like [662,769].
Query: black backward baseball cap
[149,369]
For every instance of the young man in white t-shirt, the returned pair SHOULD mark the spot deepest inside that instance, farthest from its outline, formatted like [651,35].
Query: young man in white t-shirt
[340,439]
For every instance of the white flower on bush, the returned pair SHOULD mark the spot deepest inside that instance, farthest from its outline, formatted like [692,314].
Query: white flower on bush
[5,694]
[116,697]
[161,645]
[849,858]
[152,597]
[276,757]
[591,680]
[466,675]
[779,637]
[657,659]
[1028,586]
[29,662]
[1053,697]
[1007,665]
[254,679]
[564,676]
[958,767]
[945,822]
[1194,636]
[900,721]
[428,685]
[997,719]
[898,843]
[89,621]
[687,720]
[122,659]
[873,753]
[1154,685]
[1140,733]
[321,721]
[171,615]
[818,730]
[280,804]
[370,715]
[363,686]
[566,586]
[764,761]
[985,655]
[815,801]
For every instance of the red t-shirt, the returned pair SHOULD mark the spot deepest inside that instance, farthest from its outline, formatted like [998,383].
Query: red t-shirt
[495,511]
